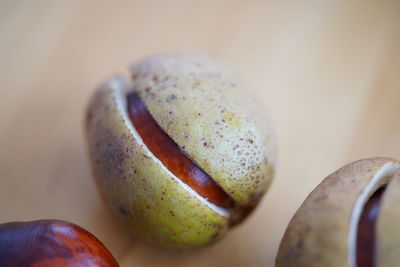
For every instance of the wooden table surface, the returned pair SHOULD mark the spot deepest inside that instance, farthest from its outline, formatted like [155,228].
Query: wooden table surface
[329,72]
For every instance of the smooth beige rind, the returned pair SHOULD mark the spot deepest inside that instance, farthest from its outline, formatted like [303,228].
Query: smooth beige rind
[136,186]
[317,235]
[388,225]
[210,114]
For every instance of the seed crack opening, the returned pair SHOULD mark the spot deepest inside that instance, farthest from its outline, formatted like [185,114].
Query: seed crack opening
[171,156]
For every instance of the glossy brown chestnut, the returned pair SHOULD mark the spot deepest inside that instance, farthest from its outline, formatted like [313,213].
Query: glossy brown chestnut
[168,152]
[51,243]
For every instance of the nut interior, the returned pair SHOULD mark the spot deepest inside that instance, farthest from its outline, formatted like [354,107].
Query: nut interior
[380,179]
[366,232]
[121,90]
[169,153]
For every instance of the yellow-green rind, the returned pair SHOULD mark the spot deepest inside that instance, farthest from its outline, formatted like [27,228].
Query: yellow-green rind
[214,119]
[317,235]
[388,225]
[137,186]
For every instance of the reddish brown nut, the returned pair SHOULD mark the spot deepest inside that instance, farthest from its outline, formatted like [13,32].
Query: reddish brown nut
[350,219]
[51,243]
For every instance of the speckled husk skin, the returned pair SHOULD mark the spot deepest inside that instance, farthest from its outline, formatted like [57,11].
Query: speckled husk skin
[198,103]
[209,113]
[317,235]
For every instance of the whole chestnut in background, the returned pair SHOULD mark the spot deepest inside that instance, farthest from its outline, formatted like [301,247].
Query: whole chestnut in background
[351,219]
[51,243]
[182,152]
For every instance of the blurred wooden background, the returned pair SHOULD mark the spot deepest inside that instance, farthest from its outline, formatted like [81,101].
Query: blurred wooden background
[329,72]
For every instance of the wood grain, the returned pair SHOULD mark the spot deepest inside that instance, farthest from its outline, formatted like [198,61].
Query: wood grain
[327,70]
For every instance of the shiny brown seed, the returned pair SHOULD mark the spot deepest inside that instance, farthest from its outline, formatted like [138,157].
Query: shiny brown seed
[51,243]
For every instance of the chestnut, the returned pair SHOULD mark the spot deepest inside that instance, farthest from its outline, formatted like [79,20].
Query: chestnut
[350,219]
[182,152]
[51,243]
